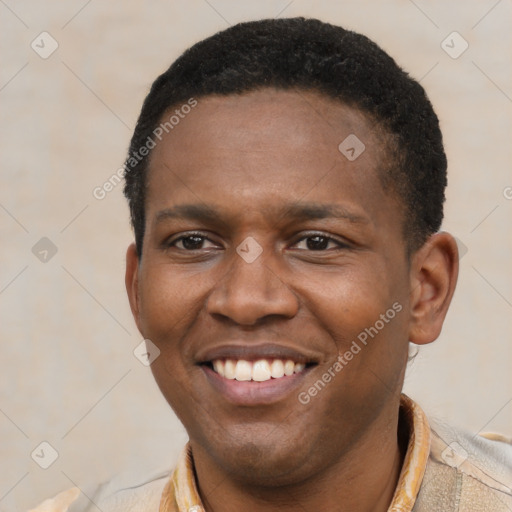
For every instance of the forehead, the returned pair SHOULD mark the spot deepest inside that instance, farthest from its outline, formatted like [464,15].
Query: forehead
[269,146]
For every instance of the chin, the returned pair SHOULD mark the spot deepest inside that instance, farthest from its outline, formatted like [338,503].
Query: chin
[263,460]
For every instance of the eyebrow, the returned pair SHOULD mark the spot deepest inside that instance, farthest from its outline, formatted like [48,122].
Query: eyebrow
[313,211]
[292,211]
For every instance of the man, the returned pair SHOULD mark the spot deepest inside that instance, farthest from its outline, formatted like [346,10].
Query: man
[286,186]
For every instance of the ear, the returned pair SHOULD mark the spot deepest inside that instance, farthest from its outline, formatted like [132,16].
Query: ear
[434,272]
[132,282]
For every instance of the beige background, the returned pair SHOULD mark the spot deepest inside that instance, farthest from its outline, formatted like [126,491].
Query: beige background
[69,376]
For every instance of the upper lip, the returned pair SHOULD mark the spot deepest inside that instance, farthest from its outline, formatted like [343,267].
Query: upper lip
[253,352]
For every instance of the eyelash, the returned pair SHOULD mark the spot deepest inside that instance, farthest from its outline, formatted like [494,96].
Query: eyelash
[341,245]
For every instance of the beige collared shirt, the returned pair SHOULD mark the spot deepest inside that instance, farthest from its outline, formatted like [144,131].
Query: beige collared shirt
[444,470]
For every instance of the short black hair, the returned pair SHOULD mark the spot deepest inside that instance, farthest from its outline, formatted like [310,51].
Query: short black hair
[310,55]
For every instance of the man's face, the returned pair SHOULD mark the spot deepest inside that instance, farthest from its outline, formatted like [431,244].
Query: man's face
[264,242]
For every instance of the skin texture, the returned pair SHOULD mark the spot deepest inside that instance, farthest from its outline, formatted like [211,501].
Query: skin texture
[251,158]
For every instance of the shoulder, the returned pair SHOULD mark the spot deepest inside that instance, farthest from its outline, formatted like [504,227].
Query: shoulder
[143,497]
[123,492]
[467,472]
[126,492]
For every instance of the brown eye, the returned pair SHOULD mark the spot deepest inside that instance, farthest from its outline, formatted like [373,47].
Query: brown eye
[319,242]
[191,242]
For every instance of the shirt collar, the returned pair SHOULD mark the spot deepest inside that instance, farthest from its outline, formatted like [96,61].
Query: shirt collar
[181,494]
[416,456]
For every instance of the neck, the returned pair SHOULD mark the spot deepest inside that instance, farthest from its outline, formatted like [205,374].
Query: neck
[363,479]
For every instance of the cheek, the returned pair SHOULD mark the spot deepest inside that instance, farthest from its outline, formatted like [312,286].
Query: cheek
[350,300]
[171,303]
[167,299]
[364,313]
[166,308]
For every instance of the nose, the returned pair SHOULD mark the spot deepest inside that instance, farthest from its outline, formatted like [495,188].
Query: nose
[251,291]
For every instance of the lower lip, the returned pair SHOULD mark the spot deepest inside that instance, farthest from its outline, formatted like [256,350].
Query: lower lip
[255,393]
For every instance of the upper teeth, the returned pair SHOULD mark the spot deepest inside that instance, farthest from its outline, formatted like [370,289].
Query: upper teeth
[259,370]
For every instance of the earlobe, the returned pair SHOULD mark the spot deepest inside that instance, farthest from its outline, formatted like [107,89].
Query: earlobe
[434,272]
[132,282]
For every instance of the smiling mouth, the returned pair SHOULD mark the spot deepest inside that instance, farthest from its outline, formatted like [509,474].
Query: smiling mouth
[260,370]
